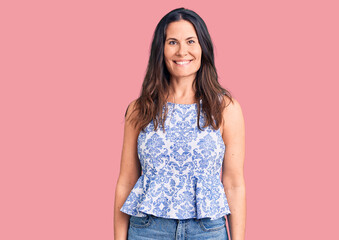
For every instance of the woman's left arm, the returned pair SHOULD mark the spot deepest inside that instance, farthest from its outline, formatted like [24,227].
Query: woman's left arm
[233,134]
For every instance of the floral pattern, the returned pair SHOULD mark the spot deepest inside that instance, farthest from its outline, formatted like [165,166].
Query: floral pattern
[180,169]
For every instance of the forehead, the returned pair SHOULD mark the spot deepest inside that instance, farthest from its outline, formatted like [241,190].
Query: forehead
[180,29]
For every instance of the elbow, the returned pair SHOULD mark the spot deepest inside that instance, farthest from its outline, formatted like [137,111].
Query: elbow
[233,183]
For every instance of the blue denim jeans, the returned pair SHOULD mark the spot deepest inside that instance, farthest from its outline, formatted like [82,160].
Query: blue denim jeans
[152,227]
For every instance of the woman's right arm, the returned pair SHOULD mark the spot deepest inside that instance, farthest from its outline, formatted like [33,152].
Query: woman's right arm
[130,171]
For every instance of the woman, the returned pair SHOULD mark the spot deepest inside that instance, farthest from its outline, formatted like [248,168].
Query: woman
[175,138]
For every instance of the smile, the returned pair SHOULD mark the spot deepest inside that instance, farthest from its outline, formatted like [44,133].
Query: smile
[183,62]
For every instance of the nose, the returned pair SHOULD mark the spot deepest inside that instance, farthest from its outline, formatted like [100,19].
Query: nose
[182,50]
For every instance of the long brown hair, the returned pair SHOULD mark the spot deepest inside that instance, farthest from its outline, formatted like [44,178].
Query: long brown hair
[155,87]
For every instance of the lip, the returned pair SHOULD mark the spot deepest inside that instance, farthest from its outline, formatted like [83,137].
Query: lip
[189,61]
[182,60]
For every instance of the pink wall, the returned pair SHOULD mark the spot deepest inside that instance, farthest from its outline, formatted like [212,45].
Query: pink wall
[68,70]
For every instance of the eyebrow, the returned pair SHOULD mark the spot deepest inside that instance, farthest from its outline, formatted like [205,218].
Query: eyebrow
[177,39]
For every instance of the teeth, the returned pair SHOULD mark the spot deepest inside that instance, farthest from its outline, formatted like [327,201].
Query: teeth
[182,63]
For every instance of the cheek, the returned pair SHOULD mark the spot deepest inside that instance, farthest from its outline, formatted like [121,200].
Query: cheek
[198,56]
[167,61]
[167,57]
[197,53]
[168,64]
[168,52]
[198,63]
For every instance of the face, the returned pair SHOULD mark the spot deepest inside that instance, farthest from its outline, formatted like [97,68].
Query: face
[182,51]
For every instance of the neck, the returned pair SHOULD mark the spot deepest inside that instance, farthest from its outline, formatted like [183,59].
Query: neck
[181,90]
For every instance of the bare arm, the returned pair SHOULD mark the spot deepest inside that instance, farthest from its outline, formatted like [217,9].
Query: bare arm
[130,171]
[233,129]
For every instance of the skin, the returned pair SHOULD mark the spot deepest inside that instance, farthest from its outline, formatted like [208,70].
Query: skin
[182,43]
[233,134]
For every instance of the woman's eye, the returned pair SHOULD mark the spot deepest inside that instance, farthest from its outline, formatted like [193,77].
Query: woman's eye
[174,42]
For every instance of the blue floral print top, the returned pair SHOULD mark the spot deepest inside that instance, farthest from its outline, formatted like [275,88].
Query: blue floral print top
[180,169]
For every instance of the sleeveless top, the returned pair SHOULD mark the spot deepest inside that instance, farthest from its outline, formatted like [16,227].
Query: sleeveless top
[180,169]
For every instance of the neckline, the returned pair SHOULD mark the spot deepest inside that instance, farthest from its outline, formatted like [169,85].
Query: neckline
[184,104]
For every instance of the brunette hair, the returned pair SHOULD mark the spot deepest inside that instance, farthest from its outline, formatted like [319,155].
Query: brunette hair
[155,87]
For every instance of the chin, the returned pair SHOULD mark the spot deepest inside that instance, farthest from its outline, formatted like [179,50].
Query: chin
[183,75]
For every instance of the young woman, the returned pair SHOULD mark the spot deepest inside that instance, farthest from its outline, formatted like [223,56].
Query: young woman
[179,134]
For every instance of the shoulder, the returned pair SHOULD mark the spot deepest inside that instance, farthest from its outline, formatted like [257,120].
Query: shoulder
[130,108]
[131,121]
[131,115]
[232,107]
[233,120]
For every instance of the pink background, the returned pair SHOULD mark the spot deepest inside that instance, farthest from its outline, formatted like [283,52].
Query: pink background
[69,69]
